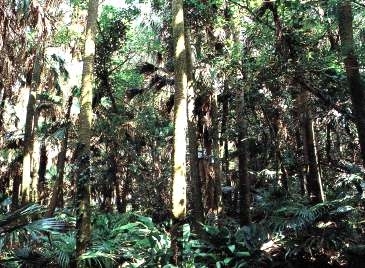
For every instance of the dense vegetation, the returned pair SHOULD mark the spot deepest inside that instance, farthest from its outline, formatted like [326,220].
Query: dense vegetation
[215,133]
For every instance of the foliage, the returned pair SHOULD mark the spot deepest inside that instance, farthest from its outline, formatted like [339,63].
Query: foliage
[129,239]
[321,231]
[23,232]
[225,246]
[272,50]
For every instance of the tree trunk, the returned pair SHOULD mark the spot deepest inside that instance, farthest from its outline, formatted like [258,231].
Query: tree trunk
[33,78]
[57,194]
[314,182]
[301,162]
[216,162]
[16,175]
[356,84]
[83,177]
[195,180]
[328,142]
[42,167]
[224,134]
[243,179]
[117,181]
[180,124]
[27,193]
[4,96]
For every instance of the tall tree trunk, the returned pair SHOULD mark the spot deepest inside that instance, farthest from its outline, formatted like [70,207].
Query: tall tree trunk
[301,163]
[33,79]
[113,162]
[57,194]
[16,175]
[328,142]
[42,168]
[216,155]
[279,137]
[180,124]
[4,96]
[314,182]
[356,84]
[224,134]
[35,162]
[26,184]
[83,179]
[243,179]
[195,180]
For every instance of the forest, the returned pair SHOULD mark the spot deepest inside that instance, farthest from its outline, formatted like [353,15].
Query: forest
[196,133]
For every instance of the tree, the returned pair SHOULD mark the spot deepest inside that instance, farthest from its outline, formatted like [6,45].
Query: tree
[57,193]
[356,83]
[180,123]
[83,176]
[195,180]
[242,148]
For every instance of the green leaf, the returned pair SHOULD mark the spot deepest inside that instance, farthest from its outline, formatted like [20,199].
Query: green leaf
[232,248]
[243,254]
[128,226]
[227,261]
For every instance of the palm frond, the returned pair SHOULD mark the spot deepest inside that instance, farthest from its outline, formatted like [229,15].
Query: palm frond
[21,213]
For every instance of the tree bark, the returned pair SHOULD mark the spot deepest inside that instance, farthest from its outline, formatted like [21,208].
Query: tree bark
[217,197]
[33,80]
[243,179]
[195,180]
[57,194]
[180,124]
[313,178]
[27,192]
[224,134]
[83,177]
[356,83]
[42,168]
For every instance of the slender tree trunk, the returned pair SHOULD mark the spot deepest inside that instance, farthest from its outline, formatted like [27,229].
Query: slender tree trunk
[314,182]
[83,179]
[243,179]
[33,77]
[195,180]
[16,175]
[180,124]
[279,129]
[224,134]
[126,189]
[57,194]
[328,142]
[35,162]
[301,162]
[356,83]
[117,181]
[217,197]
[43,159]
[26,184]
[4,96]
